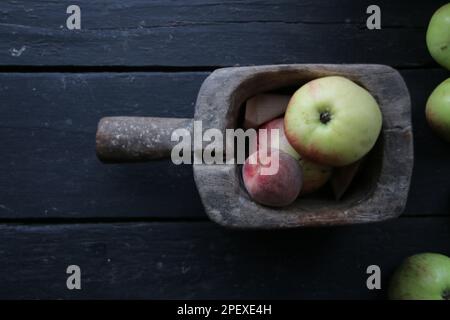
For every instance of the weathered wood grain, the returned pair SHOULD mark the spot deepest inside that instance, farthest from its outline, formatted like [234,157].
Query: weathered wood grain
[213,33]
[138,139]
[115,13]
[49,169]
[202,260]
[48,162]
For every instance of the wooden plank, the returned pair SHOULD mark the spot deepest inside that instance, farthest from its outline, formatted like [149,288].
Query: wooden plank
[200,260]
[163,12]
[48,162]
[213,33]
[49,168]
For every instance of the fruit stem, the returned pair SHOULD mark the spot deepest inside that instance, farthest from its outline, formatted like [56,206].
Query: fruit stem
[325,117]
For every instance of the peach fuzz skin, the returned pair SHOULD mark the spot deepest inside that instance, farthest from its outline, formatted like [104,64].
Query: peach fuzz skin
[277,190]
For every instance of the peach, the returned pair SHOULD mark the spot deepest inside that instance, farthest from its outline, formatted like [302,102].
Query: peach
[278,189]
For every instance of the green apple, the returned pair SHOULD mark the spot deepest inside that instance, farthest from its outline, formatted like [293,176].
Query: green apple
[438,36]
[438,109]
[332,121]
[424,276]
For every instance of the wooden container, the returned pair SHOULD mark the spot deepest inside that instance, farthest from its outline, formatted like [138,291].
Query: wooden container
[379,193]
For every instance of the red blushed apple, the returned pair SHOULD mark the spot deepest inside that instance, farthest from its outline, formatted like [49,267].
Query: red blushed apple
[315,175]
[275,190]
[283,143]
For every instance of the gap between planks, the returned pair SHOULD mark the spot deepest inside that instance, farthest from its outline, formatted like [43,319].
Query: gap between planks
[150,220]
[148,69]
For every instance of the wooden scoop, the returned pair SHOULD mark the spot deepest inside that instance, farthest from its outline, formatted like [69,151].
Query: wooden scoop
[219,102]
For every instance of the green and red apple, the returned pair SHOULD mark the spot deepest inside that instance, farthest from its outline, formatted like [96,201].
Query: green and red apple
[438,110]
[424,276]
[438,36]
[332,121]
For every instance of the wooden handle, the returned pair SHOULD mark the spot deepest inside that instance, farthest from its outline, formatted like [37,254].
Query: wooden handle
[135,139]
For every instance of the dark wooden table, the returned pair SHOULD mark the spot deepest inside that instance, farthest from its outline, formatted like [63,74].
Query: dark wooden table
[139,231]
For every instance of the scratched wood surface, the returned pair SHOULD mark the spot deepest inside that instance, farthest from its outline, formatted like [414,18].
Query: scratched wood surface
[200,260]
[140,231]
[213,33]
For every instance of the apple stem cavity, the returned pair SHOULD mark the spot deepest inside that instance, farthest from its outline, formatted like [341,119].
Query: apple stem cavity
[325,117]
